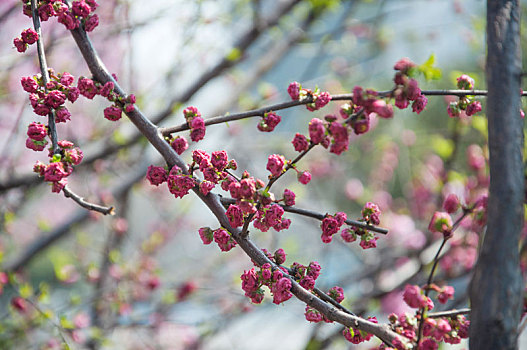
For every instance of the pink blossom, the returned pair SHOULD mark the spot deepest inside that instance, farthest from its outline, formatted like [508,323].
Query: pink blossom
[428,344]
[382,109]
[29,84]
[412,90]
[273,214]
[45,11]
[191,112]
[37,131]
[91,23]
[235,215]
[112,113]
[336,293]
[294,90]
[206,186]
[348,235]
[413,296]
[87,88]
[39,168]
[307,283]
[220,160]
[404,64]
[441,222]
[55,99]
[206,235]
[269,122]
[429,326]
[329,225]
[20,45]
[180,185]
[473,108]
[36,145]
[275,164]
[419,104]
[62,115]
[197,133]
[304,177]
[73,156]
[224,240]
[453,110]
[464,82]
[80,8]
[250,281]
[289,197]
[65,144]
[179,144]
[322,99]
[317,130]
[446,293]
[401,101]
[41,109]
[361,126]
[312,315]
[371,213]
[281,290]
[368,243]
[66,79]
[313,270]
[247,188]
[73,94]
[107,89]
[29,36]
[357,96]
[55,172]
[156,175]
[340,138]
[451,203]
[300,143]
[69,21]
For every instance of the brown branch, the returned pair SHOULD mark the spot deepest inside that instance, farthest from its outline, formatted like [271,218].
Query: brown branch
[284,105]
[150,131]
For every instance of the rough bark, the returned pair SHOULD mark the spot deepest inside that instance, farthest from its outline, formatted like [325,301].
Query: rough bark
[496,288]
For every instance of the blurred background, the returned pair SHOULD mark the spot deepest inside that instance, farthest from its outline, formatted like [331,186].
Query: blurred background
[142,279]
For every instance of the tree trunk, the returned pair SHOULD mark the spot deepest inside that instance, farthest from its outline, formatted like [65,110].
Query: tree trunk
[496,290]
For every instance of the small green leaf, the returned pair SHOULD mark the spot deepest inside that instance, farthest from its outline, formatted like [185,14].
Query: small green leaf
[429,71]
[234,54]
[56,158]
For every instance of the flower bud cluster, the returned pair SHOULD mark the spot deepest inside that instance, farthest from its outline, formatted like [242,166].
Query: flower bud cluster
[27,37]
[435,330]
[269,121]
[357,336]
[80,12]
[273,278]
[465,103]
[406,88]
[195,123]
[220,236]
[316,99]
[61,164]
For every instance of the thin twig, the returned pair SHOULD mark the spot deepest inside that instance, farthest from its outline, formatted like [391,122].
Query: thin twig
[318,216]
[449,313]
[83,203]
[284,105]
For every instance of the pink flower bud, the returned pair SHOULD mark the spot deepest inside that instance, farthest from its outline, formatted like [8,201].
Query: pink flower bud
[451,203]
